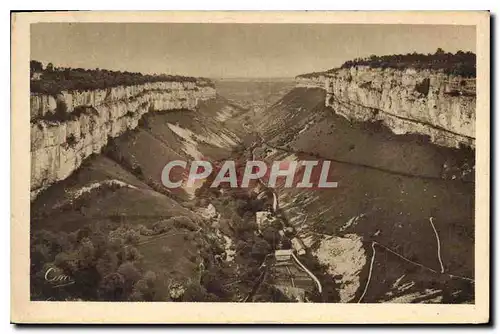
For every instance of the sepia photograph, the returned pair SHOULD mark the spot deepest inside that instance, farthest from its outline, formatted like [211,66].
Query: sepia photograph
[249,160]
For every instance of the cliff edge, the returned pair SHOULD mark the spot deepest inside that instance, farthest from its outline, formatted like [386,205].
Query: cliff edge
[432,103]
[69,126]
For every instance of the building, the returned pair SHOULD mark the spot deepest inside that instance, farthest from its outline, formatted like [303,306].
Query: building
[283,255]
[298,246]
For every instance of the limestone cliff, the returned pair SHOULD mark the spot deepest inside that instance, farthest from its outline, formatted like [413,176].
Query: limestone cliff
[425,102]
[317,81]
[69,127]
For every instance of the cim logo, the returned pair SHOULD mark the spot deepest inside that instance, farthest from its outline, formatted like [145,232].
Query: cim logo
[289,174]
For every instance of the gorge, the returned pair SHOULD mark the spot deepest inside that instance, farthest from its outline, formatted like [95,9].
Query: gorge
[401,143]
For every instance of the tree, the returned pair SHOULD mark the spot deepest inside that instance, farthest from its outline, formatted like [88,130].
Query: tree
[50,67]
[35,66]
[271,235]
[260,249]
[129,272]
[112,287]
[211,281]
[194,293]
[439,51]
[104,266]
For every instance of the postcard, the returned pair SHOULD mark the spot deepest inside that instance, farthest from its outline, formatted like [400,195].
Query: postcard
[250,167]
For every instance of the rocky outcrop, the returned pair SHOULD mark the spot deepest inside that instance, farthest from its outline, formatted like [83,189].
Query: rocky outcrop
[69,127]
[319,81]
[424,102]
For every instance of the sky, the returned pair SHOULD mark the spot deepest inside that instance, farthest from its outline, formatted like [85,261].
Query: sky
[233,50]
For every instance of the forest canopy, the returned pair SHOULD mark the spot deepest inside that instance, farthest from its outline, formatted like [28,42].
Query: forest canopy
[460,64]
[53,80]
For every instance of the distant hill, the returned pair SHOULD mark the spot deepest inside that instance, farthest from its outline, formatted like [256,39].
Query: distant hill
[253,79]
[252,92]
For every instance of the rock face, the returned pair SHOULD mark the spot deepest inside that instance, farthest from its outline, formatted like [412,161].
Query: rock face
[319,81]
[69,127]
[433,104]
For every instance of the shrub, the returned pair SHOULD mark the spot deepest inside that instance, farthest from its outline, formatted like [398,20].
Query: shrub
[260,249]
[183,222]
[131,254]
[112,287]
[143,230]
[137,171]
[101,267]
[131,236]
[136,296]
[150,277]
[423,87]
[35,66]
[129,272]
[212,283]
[160,226]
